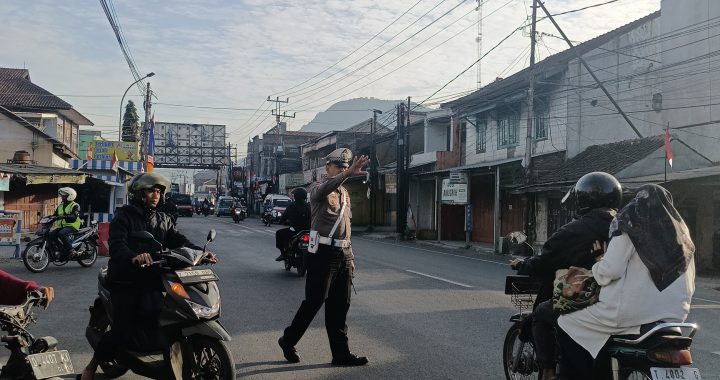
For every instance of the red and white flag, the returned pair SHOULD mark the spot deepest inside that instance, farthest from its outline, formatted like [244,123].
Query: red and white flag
[114,162]
[668,149]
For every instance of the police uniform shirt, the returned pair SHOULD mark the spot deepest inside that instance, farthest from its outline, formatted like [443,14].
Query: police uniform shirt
[326,200]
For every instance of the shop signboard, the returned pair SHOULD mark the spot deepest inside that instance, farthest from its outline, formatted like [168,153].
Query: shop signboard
[105,150]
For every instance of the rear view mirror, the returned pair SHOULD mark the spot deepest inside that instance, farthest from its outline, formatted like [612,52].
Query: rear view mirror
[211,235]
[144,235]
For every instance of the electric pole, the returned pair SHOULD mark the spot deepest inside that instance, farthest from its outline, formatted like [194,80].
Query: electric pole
[280,150]
[373,169]
[147,105]
[531,99]
[478,39]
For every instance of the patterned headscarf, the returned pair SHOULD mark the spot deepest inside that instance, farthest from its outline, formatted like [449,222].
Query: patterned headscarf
[658,233]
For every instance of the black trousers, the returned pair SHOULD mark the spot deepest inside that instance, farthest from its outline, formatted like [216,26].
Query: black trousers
[282,238]
[65,236]
[576,362]
[544,324]
[134,323]
[329,280]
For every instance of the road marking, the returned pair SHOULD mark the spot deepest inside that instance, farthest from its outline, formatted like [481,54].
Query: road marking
[716,352]
[703,299]
[439,252]
[439,278]
[705,306]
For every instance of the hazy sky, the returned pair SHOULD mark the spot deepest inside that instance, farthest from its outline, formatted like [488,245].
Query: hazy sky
[233,54]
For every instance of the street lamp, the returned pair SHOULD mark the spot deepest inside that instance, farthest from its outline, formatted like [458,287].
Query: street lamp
[123,99]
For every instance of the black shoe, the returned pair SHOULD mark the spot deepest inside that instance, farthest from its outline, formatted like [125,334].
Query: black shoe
[280,258]
[290,353]
[350,360]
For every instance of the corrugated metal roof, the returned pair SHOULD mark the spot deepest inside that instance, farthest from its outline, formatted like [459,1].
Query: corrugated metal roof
[37,169]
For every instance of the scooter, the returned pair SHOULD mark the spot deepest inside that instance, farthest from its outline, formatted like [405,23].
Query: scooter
[30,358]
[208,210]
[188,321]
[239,213]
[42,251]
[297,252]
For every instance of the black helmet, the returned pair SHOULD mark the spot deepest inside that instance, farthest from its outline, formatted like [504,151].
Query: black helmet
[595,190]
[146,181]
[299,193]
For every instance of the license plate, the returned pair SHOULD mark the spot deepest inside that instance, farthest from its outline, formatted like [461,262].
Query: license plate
[51,364]
[682,373]
[195,276]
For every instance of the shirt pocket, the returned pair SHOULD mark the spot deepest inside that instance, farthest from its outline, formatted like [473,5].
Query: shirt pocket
[333,203]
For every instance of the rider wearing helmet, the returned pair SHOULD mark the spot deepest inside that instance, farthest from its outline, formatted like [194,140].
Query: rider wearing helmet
[298,215]
[136,291]
[595,198]
[68,223]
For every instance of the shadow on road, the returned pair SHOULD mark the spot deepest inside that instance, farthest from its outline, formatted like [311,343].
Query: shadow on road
[277,366]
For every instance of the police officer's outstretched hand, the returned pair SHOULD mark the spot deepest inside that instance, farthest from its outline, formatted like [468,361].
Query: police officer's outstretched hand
[357,165]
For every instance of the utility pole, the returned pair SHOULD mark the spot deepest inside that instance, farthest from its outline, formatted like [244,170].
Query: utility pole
[478,39]
[400,172]
[531,99]
[373,169]
[147,104]
[280,150]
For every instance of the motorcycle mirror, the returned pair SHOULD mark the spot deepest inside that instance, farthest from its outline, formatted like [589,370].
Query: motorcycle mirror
[144,235]
[211,235]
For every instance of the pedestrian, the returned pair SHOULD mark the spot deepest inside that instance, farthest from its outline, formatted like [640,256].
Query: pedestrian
[331,267]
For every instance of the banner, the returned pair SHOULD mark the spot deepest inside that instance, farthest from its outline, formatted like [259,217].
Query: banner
[7,228]
[104,150]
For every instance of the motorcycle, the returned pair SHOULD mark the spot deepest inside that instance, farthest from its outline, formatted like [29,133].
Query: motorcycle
[188,321]
[208,210]
[296,252]
[239,214]
[42,251]
[30,358]
[267,218]
[660,351]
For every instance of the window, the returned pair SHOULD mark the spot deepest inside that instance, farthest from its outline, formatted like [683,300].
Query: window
[480,135]
[542,117]
[507,130]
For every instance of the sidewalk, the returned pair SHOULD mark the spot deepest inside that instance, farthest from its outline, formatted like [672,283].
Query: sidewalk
[707,281]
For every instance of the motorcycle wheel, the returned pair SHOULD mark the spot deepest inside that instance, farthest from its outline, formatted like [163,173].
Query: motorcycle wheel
[90,252]
[301,267]
[35,260]
[527,368]
[211,360]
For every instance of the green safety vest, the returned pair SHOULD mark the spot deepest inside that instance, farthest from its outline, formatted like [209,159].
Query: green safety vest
[67,210]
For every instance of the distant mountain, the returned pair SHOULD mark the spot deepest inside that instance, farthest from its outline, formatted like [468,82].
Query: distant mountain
[345,114]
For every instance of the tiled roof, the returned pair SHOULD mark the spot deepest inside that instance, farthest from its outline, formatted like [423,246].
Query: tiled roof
[544,69]
[611,158]
[17,91]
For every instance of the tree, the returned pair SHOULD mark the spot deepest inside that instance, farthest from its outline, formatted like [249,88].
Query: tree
[131,123]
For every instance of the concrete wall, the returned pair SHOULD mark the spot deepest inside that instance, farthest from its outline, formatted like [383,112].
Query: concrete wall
[16,137]
[690,78]
[629,67]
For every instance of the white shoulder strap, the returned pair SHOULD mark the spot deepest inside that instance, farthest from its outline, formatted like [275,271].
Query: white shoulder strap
[342,210]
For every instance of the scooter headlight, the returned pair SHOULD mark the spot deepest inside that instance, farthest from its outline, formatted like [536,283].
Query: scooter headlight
[275,214]
[204,311]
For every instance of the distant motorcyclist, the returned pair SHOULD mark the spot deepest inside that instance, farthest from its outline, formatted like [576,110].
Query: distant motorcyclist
[136,291]
[298,214]
[68,223]
[595,197]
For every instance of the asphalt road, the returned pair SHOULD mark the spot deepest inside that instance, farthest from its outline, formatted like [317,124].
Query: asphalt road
[419,312]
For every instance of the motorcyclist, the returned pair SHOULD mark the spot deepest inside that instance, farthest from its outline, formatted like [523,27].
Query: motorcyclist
[595,197]
[68,223]
[136,290]
[206,206]
[298,214]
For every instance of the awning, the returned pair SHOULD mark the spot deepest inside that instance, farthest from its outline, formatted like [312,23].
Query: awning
[36,174]
[37,179]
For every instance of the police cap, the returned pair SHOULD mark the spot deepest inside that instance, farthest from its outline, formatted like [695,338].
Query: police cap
[340,157]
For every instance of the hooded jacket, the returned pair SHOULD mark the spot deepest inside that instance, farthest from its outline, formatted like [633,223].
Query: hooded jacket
[123,247]
[570,246]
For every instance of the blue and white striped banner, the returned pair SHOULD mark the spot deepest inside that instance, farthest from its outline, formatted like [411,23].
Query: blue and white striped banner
[105,165]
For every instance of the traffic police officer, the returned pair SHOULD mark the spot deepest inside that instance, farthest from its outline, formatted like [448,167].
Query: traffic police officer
[330,269]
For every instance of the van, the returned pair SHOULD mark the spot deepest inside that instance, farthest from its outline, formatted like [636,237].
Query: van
[224,205]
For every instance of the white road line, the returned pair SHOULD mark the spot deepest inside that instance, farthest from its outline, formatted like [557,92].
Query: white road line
[705,306]
[716,352]
[439,278]
[438,252]
[703,299]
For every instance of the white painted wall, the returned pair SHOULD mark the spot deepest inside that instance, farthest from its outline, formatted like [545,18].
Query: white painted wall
[16,137]
[691,79]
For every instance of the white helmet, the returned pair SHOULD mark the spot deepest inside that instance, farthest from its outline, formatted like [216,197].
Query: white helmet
[69,192]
